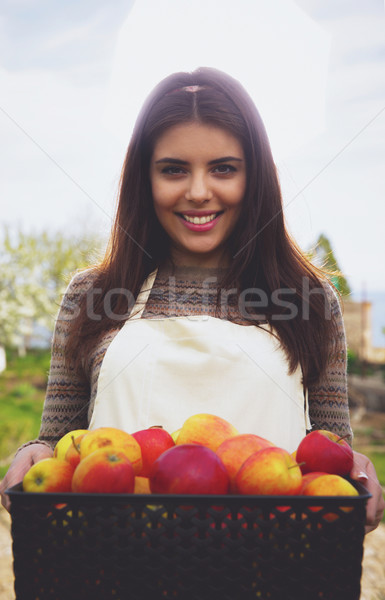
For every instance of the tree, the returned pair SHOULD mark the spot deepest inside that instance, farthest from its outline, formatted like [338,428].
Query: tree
[34,272]
[323,254]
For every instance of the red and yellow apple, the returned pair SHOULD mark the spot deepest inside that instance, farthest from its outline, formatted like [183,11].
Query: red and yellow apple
[189,469]
[327,484]
[49,475]
[142,485]
[206,430]
[73,453]
[65,442]
[105,471]
[153,442]
[110,437]
[270,471]
[234,451]
[323,450]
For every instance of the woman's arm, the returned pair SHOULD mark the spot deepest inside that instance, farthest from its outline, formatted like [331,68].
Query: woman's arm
[328,397]
[68,390]
[329,409]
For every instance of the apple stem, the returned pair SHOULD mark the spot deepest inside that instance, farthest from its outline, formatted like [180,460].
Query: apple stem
[297,465]
[75,445]
[343,437]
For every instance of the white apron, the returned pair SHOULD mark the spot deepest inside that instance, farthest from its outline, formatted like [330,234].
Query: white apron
[161,371]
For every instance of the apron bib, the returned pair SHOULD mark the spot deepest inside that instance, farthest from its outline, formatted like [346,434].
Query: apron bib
[162,371]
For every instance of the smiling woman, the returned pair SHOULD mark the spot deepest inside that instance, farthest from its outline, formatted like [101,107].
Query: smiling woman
[203,303]
[198,180]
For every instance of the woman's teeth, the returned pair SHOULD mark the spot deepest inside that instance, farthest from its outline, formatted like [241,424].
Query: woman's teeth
[200,220]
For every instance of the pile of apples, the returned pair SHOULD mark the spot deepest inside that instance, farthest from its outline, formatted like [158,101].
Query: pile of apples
[207,455]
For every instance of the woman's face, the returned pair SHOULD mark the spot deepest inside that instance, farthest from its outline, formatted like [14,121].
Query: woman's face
[198,180]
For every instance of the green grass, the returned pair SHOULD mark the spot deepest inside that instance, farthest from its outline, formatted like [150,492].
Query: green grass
[22,392]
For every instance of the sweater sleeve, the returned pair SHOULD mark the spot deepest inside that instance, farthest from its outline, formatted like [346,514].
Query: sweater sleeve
[328,398]
[68,391]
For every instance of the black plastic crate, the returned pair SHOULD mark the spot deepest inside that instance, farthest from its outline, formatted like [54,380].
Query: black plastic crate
[123,546]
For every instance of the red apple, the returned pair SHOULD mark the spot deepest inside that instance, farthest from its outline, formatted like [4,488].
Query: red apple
[106,470]
[189,469]
[269,471]
[234,451]
[325,451]
[49,475]
[153,442]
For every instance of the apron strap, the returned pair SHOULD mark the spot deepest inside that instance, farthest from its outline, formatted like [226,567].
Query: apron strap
[143,296]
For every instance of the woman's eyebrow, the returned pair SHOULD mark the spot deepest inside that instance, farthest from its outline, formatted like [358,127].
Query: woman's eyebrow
[178,161]
[224,159]
[173,161]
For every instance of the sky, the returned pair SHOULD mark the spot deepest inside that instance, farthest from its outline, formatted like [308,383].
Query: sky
[74,74]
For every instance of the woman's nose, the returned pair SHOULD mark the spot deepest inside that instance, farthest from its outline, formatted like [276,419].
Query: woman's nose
[198,189]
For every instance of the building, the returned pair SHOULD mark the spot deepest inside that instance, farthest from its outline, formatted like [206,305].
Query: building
[359,332]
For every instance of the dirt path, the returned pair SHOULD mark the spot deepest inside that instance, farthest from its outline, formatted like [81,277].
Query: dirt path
[6,573]
[372,583]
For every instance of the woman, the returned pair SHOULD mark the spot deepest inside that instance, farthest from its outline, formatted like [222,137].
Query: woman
[203,303]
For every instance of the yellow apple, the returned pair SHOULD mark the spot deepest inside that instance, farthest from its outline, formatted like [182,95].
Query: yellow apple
[206,430]
[49,475]
[65,442]
[175,435]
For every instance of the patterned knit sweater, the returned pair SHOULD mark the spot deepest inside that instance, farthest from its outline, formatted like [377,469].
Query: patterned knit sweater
[179,292]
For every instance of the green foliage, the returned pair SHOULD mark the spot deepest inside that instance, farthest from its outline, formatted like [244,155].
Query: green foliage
[34,272]
[354,364]
[323,253]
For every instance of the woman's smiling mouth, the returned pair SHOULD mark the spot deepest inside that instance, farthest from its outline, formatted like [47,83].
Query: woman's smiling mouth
[194,219]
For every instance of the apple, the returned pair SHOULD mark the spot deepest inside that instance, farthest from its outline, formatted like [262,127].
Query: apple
[322,450]
[73,453]
[269,471]
[111,437]
[142,485]
[49,475]
[234,451]
[327,484]
[206,430]
[308,477]
[189,469]
[175,435]
[65,442]
[104,471]
[153,442]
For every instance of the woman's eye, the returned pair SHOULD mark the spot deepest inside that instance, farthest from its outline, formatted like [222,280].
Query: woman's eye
[224,169]
[172,170]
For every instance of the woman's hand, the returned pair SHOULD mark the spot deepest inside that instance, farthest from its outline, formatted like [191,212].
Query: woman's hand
[20,465]
[364,472]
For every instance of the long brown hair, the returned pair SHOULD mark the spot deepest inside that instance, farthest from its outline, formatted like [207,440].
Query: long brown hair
[264,256]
